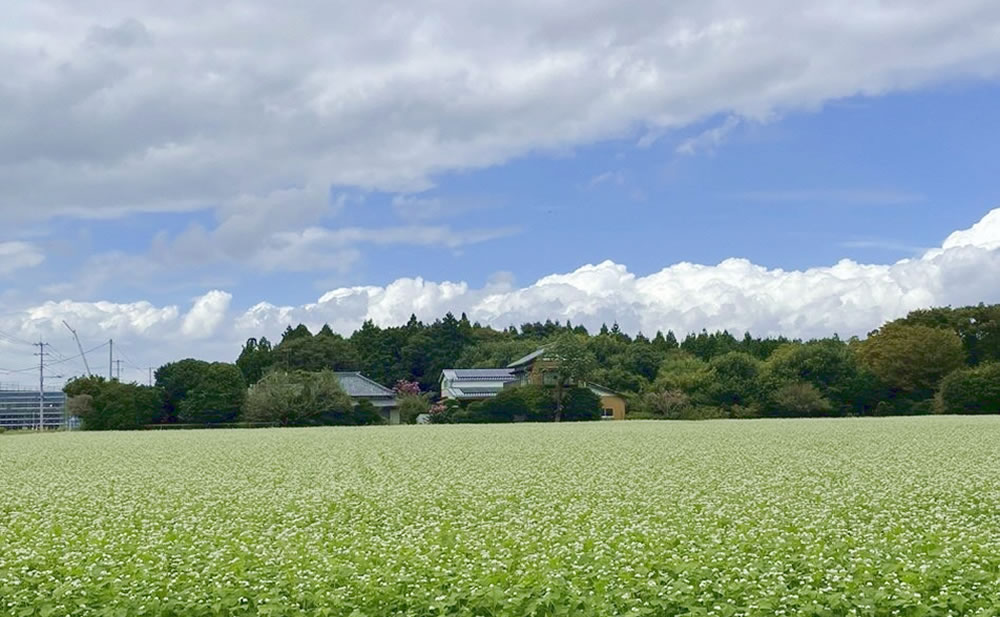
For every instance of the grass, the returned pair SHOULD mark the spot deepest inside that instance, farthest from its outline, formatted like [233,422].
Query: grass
[794,517]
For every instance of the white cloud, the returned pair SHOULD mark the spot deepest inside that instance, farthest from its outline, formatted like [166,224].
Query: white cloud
[848,298]
[146,105]
[708,140]
[206,315]
[18,255]
[984,234]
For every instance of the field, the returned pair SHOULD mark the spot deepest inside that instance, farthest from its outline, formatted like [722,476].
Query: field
[797,517]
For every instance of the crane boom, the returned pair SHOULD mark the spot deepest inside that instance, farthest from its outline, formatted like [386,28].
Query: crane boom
[80,347]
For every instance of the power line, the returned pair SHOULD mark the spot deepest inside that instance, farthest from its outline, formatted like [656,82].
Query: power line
[14,339]
[128,360]
[76,356]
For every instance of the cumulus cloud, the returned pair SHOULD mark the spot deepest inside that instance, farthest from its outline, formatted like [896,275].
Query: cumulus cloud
[154,106]
[18,255]
[206,314]
[984,234]
[150,334]
[848,298]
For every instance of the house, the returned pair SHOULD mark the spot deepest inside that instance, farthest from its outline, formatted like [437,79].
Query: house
[360,388]
[474,384]
[534,368]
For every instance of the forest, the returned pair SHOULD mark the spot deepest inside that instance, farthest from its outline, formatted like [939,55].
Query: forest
[939,360]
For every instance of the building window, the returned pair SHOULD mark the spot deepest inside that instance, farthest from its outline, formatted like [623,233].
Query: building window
[607,412]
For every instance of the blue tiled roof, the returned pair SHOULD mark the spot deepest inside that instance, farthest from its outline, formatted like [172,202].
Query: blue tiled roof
[481,374]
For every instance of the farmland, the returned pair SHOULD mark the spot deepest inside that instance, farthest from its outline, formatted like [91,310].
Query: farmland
[816,517]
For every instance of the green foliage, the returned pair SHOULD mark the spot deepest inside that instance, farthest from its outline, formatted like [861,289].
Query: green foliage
[977,326]
[104,405]
[798,399]
[494,353]
[719,374]
[736,381]
[200,392]
[516,403]
[575,363]
[411,406]
[683,372]
[971,390]
[911,360]
[832,368]
[365,412]
[581,404]
[217,397]
[324,352]
[298,398]
[255,359]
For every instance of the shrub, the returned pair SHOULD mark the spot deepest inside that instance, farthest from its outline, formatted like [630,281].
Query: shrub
[300,398]
[581,405]
[670,404]
[970,391]
[412,405]
[799,399]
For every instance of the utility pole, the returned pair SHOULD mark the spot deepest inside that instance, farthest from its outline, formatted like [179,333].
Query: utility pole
[111,359]
[41,383]
[150,377]
[118,365]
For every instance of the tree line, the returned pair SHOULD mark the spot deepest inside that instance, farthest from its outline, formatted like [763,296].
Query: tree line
[940,360]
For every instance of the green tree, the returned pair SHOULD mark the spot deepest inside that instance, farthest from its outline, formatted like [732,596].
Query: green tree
[113,405]
[977,326]
[737,380]
[302,398]
[299,331]
[255,359]
[176,379]
[798,399]
[574,363]
[973,390]
[325,351]
[216,397]
[831,367]
[911,360]
[200,392]
[581,405]
[686,373]
[411,406]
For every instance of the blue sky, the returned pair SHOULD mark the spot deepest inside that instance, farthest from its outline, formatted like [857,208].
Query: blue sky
[873,179]
[183,177]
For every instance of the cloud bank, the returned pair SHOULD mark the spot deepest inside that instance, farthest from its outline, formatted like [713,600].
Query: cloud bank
[848,298]
[165,106]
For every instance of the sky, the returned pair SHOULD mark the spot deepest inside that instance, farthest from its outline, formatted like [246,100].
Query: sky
[182,176]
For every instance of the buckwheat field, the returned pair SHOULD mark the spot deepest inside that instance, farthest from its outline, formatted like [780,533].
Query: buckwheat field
[807,517]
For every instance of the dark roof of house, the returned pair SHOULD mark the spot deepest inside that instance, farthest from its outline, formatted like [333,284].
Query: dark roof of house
[358,386]
[526,359]
[603,389]
[480,374]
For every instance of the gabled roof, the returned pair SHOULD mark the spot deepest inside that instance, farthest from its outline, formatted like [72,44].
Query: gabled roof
[478,374]
[600,390]
[357,385]
[528,358]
